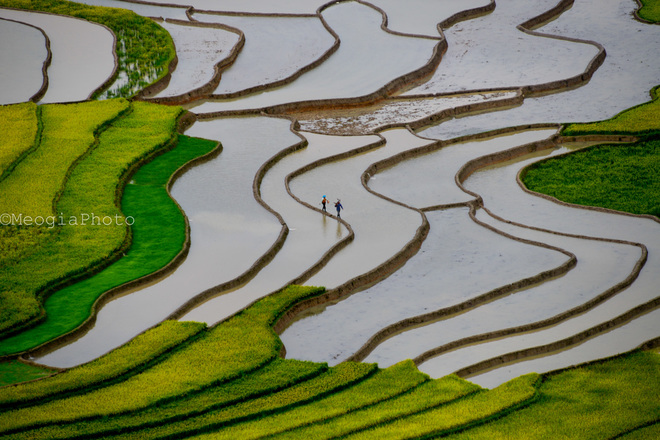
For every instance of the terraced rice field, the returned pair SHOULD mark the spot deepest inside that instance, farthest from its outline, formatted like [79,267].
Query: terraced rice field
[221,301]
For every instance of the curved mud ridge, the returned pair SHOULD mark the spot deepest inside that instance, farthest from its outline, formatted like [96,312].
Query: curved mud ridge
[292,77]
[205,90]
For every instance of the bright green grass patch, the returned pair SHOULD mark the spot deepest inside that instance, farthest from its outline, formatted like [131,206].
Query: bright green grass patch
[385,384]
[92,189]
[641,120]
[19,127]
[238,346]
[595,401]
[650,10]
[427,395]
[144,49]
[15,371]
[275,376]
[476,408]
[621,177]
[138,352]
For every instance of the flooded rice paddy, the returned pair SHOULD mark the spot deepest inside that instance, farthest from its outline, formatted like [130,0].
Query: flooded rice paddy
[272,51]
[82,54]
[199,50]
[23,56]
[448,265]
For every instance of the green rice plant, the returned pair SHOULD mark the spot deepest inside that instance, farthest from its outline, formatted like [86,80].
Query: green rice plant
[238,346]
[16,308]
[92,190]
[16,371]
[650,10]
[24,194]
[593,401]
[158,235]
[69,131]
[275,376]
[385,384]
[641,120]
[20,127]
[140,351]
[144,49]
[219,423]
[427,395]
[621,177]
[477,408]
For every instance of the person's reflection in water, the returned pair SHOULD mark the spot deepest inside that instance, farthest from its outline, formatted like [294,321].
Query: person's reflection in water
[325,225]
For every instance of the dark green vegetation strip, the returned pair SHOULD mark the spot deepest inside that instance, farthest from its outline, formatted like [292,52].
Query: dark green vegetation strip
[651,431]
[14,371]
[622,177]
[144,49]
[462,413]
[92,188]
[217,423]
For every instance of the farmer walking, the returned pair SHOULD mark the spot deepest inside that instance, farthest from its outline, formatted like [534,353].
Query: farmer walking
[323,202]
[339,207]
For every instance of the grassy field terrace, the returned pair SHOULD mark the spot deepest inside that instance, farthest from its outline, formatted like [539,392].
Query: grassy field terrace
[623,177]
[84,216]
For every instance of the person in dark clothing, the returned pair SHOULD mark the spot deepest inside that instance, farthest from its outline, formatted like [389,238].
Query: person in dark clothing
[339,207]
[323,202]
